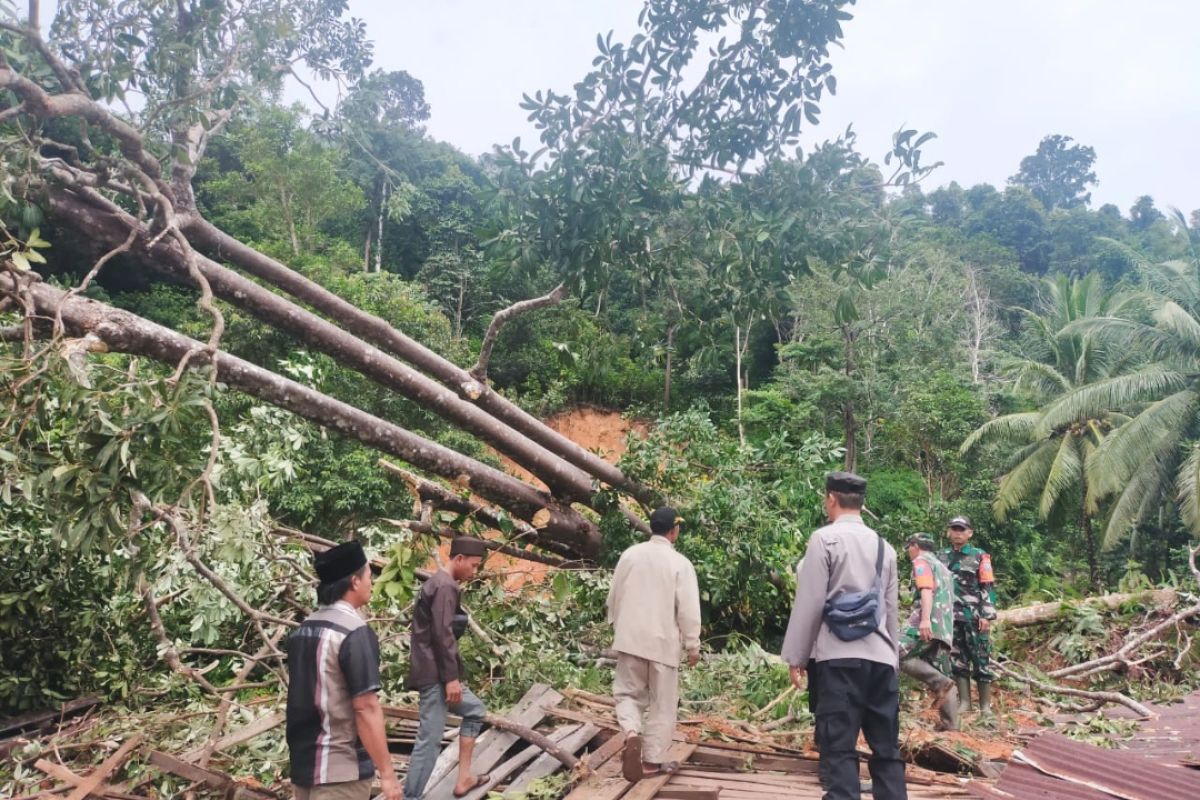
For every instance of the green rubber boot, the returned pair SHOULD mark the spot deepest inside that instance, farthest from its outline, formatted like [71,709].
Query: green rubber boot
[964,693]
[985,697]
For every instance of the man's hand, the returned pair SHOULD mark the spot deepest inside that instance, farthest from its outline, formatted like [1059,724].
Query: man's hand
[985,625]
[693,658]
[392,789]
[797,674]
[926,630]
[454,692]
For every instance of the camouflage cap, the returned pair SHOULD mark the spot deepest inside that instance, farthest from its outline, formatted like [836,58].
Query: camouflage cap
[922,540]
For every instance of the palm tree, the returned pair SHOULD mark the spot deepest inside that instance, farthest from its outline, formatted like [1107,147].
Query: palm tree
[1155,457]
[1048,464]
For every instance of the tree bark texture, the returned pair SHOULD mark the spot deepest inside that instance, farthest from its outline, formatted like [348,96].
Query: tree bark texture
[124,332]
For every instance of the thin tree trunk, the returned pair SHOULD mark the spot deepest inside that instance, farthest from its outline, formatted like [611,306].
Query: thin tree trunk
[1089,538]
[737,355]
[667,376]
[458,312]
[367,250]
[286,202]
[849,423]
[379,236]
[124,332]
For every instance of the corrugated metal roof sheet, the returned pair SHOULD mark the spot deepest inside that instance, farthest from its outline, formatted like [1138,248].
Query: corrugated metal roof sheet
[1027,783]
[1120,774]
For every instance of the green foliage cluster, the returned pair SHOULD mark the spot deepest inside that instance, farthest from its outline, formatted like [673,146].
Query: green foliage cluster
[749,512]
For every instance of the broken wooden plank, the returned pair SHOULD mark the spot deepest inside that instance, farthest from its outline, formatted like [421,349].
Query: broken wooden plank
[606,781]
[499,774]
[688,793]
[571,739]
[493,744]
[209,777]
[606,751]
[241,735]
[36,719]
[102,772]
[401,712]
[647,788]
[64,775]
[744,761]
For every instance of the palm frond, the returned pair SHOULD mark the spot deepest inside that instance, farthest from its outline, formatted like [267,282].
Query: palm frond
[1066,473]
[1187,489]
[1176,320]
[1025,481]
[1148,436]
[1112,394]
[1039,377]
[1142,494]
[1010,427]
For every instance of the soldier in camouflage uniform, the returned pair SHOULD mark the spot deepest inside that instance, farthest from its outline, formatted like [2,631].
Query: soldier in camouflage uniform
[925,644]
[974,610]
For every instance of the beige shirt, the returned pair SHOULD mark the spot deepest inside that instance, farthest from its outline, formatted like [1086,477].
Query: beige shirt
[841,557]
[654,603]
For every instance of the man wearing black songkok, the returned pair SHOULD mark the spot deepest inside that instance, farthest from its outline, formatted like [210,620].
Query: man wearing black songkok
[437,671]
[335,733]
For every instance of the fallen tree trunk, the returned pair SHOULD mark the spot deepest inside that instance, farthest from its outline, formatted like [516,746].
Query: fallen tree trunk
[109,227]
[1045,612]
[121,331]
[221,245]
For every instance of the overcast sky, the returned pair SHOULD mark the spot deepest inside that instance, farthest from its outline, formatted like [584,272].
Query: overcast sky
[990,77]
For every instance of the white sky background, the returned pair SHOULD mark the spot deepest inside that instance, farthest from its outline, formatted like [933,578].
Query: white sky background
[990,77]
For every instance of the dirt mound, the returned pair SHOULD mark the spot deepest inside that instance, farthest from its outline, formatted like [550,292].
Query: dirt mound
[599,430]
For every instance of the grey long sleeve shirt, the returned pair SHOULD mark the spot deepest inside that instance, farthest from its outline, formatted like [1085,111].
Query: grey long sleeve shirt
[841,557]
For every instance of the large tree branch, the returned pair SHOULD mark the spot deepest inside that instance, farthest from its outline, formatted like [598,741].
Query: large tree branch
[124,332]
[1099,697]
[45,106]
[502,317]
[374,329]
[174,259]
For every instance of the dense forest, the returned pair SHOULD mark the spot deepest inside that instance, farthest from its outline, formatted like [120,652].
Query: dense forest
[667,250]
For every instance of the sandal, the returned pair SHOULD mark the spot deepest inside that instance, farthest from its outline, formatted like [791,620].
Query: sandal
[631,759]
[480,780]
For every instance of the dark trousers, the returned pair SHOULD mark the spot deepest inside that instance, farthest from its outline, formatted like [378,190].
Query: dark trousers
[851,695]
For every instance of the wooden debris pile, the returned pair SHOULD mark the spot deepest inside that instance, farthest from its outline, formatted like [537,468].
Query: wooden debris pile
[571,733]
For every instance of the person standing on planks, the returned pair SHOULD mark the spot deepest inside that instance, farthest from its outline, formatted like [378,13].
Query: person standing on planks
[437,671]
[654,608]
[335,732]
[843,630]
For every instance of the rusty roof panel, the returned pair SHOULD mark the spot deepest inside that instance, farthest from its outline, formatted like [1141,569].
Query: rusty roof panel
[1122,774]
[1026,783]
[1173,735]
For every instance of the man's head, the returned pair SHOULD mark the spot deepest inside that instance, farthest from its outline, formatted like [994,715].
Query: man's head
[918,542]
[844,491]
[665,521]
[466,556]
[959,530]
[344,574]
